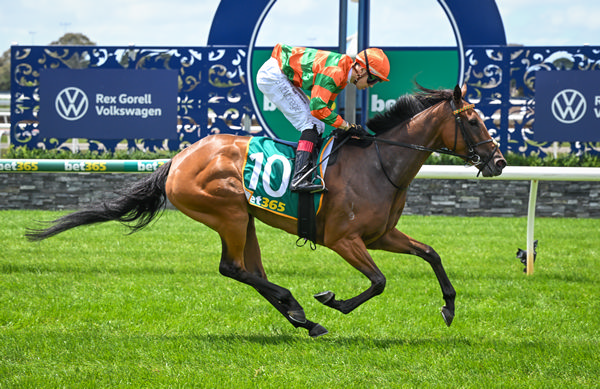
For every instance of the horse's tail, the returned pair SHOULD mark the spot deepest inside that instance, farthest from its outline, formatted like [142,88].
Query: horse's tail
[141,202]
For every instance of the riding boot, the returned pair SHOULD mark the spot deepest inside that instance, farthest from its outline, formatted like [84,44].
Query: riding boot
[301,181]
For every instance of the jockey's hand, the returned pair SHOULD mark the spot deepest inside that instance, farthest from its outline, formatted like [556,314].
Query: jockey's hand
[357,130]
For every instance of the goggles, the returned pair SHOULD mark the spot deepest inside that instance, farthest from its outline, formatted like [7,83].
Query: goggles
[371,79]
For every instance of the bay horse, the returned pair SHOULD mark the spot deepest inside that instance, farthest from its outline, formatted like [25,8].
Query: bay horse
[367,189]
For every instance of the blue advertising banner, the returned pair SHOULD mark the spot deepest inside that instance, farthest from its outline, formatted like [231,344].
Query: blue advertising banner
[108,103]
[567,106]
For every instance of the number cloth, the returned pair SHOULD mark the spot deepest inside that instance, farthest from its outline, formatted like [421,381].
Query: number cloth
[268,168]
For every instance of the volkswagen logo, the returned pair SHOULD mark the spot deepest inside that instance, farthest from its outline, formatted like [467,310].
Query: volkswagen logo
[71,103]
[569,106]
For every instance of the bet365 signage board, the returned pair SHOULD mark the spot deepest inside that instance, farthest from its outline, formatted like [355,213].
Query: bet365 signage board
[108,104]
[431,67]
[567,106]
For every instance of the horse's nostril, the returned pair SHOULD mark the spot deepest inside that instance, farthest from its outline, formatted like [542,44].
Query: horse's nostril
[501,163]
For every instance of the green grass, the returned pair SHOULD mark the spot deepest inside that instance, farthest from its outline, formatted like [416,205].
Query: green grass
[94,307]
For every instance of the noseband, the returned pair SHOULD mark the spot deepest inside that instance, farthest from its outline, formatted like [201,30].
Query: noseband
[472,157]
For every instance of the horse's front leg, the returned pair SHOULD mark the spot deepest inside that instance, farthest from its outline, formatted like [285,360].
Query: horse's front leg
[356,254]
[398,242]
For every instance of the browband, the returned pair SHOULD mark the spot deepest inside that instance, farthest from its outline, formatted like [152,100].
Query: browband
[463,109]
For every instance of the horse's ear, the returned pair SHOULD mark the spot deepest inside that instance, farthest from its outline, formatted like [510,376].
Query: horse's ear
[457,93]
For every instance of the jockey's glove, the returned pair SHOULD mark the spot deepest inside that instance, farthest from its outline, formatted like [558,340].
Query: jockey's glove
[357,130]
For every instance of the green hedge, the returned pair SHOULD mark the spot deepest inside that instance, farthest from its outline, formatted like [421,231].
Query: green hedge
[570,160]
[22,152]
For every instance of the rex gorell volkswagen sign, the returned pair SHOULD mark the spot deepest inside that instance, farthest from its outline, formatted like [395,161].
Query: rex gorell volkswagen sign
[108,103]
[567,106]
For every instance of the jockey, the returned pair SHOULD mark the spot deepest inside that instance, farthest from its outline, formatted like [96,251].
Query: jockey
[324,74]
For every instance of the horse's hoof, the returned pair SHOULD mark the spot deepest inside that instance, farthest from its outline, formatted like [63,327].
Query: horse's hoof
[317,330]
[297,316]
[325,297]
[447,315]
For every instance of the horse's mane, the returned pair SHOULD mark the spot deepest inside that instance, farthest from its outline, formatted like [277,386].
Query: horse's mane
[406,107]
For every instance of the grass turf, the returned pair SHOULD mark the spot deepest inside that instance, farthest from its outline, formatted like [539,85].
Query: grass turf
[94,307]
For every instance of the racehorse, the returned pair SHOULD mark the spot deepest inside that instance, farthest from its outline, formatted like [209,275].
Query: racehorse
[367,187]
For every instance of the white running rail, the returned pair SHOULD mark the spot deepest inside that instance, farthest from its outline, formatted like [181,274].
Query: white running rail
[526,173]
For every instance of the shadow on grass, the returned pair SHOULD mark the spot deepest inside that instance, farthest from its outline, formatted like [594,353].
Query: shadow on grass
[338,341]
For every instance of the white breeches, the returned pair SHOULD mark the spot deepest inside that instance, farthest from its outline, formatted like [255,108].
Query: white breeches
[289,99]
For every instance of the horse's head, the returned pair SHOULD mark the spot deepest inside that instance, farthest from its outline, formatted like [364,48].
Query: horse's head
[470,137]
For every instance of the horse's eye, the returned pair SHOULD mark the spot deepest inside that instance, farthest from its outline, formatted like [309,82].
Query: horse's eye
[474,122]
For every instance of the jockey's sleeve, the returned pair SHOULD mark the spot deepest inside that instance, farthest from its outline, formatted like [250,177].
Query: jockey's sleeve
[325,90]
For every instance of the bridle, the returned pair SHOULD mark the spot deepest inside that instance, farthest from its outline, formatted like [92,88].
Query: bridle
[471,157]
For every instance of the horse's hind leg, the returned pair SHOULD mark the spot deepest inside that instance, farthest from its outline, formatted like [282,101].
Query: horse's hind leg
[230,267]
[250,271]
[398,242]
[252,256]
[253,263]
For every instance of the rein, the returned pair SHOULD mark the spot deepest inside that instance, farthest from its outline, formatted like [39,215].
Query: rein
[472,157]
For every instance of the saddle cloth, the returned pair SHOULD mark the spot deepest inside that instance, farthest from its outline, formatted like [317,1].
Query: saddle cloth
[268,169]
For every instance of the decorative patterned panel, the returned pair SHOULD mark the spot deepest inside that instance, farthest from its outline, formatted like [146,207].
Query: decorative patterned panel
[213,90]
[214,95]
[502,80]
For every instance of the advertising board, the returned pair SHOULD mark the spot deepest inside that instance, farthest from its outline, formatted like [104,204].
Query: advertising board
[433,68]
[567,106]
[108,103]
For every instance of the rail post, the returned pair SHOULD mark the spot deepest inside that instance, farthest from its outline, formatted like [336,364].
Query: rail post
[530,225]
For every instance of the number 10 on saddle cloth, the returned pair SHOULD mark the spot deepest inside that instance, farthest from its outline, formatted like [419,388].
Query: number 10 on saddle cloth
[268,167]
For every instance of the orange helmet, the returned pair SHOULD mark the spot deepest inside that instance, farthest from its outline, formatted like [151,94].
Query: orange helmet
[378,65]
